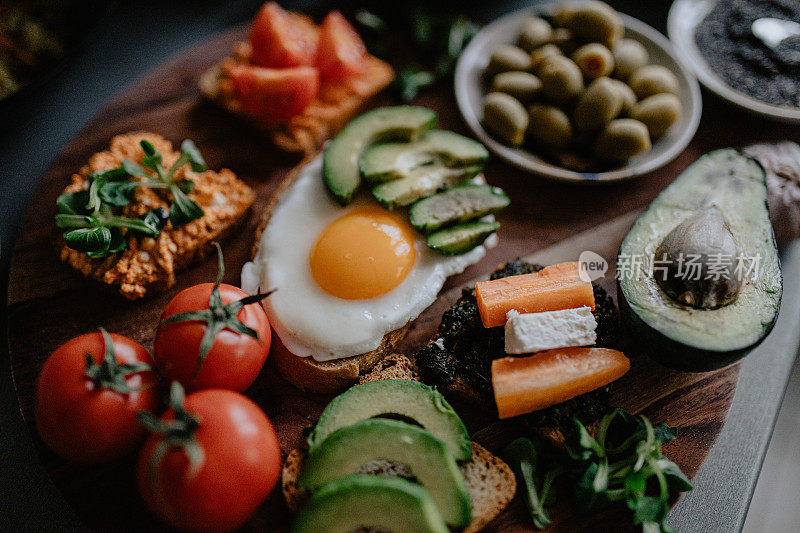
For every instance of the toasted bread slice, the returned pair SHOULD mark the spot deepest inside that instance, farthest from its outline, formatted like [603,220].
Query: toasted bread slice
[307,373]
[150,264]
[335,105]
[490,480]
[394,366]
[327,377]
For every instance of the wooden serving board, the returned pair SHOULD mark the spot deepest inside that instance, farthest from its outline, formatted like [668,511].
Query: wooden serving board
[49,303]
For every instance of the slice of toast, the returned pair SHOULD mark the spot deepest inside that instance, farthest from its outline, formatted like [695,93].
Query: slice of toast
[490,480]
[307,373]
[335,105]
[150,264]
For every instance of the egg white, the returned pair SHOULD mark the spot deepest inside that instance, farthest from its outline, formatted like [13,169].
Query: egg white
[308,320]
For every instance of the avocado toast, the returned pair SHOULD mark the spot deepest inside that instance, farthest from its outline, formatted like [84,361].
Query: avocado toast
[484,484]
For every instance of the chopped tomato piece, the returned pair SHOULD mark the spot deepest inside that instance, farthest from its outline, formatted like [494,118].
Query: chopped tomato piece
[282,39]
[341,53]
[274,95]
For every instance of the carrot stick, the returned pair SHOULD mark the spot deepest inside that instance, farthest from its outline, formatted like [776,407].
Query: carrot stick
[551,289]
[526,384]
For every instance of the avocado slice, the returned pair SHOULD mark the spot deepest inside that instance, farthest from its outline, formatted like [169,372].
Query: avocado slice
[383,503]
[718,203]
[408,398]
[340,159]
[349,448]
[391,161]
[421,182]
[456,205]
[462,238]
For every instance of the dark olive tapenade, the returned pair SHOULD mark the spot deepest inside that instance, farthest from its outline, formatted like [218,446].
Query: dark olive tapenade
[459,358]
[725,38]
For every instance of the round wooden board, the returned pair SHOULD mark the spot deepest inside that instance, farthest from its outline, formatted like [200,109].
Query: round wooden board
[49,303]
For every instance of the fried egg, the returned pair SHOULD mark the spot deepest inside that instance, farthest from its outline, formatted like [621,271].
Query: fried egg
[345,277]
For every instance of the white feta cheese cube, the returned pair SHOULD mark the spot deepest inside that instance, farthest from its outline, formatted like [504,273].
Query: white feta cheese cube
[534,332]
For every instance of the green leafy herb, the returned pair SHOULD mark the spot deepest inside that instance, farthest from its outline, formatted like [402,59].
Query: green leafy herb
[622,462]
[87,217]
[183,209]
[425,42]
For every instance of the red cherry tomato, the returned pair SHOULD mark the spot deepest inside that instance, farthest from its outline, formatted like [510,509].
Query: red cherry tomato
[282,39]
[239,464]
[274,95]
[87,419]
[341,53]
[234,360]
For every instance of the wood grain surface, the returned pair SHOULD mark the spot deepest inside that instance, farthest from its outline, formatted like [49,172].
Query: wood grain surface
[49,303]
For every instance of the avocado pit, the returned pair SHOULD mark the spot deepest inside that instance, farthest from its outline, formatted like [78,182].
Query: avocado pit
[695,264]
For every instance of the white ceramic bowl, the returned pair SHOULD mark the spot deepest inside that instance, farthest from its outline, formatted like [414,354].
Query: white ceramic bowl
[684,17]
[469,89]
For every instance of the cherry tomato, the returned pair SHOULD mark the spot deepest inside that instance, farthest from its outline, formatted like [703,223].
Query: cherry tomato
[341,52]
[87,412]
[234,359]
[282,39]
[274,95]
[226,461]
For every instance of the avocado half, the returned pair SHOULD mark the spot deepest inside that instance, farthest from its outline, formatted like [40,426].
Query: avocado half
[694,339]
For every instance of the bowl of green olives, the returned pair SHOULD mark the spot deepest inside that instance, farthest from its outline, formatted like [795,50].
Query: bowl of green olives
[578,92]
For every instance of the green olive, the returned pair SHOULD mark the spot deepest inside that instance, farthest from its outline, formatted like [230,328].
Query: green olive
[521,85]
[653,79]
[505,116]
[593,21]
[533,33]
[540,54]
[564,39]
[658,112]
[594,59]
[561,79]
[622,139]
[629,55]
[628,97]
[508,57]
[599,104]
[549,125]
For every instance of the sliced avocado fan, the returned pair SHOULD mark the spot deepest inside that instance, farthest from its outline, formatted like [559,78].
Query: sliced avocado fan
[391,161]
[341,157]
[349,448]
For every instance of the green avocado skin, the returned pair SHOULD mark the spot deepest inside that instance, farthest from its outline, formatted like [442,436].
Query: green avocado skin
[674,354]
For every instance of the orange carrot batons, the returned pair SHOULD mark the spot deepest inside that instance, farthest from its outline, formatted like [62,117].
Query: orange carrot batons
[526,384]
[551,289]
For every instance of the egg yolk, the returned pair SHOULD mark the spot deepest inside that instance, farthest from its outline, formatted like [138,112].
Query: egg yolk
[363,254]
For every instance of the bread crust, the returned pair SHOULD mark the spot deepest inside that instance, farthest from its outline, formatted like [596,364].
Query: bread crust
[306,373]
[335,105]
